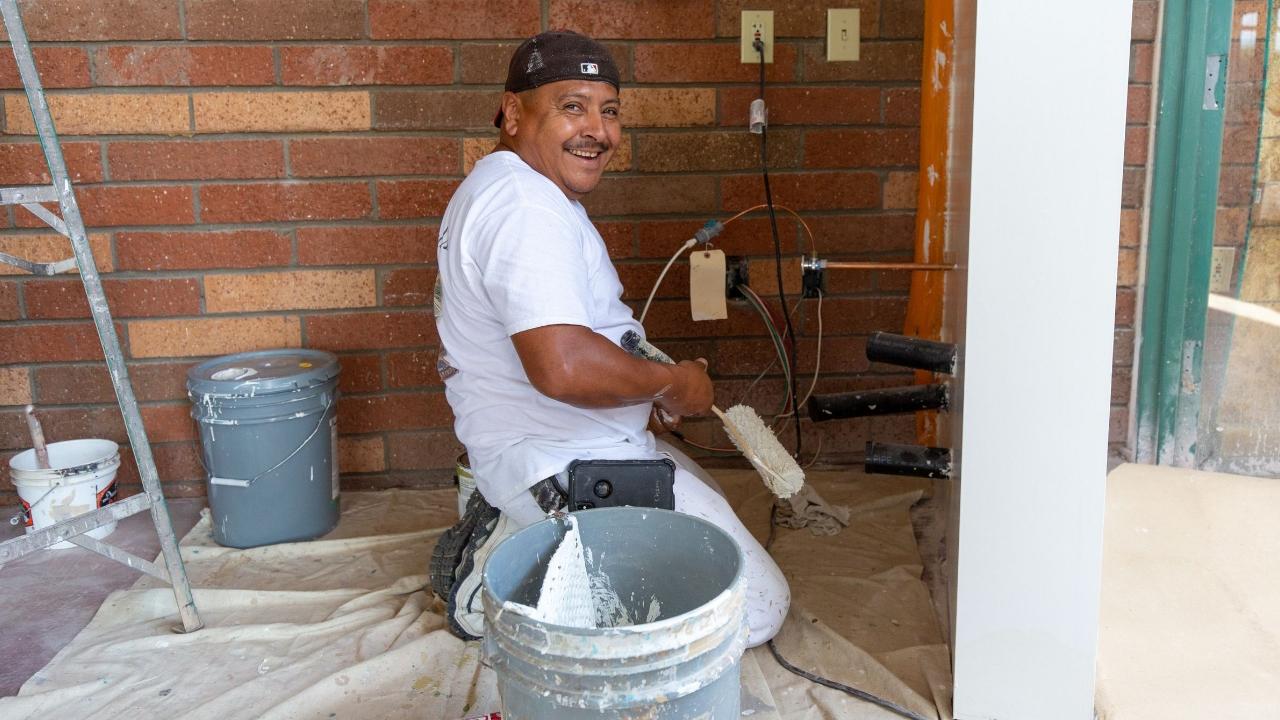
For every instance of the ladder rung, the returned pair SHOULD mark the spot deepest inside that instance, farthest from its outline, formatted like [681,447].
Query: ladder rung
[78,525]
[120,555]
[36,268]
[28,194]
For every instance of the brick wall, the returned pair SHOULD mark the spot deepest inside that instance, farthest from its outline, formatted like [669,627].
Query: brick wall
[270,173]
[1137,135]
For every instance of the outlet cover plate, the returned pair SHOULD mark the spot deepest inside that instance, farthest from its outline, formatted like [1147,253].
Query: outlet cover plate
[757,21]
[842,34]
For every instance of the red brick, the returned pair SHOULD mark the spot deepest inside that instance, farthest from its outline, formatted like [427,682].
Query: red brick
[423,450]
[62,299]
[117,205]
[635,19]
[861,148]
[414,198]
[902,106]
[201,250]
[638,279]
[716,150]
[847,234]
[803,191]
[360,373]
[178,462]
[184,66]
[617,238]
[702,63]
[415,369]
[358,156]
[486,63]
[879,62]
[66,423]
[1242,103]
[1118,426]
[631,195]
[1145,18]
[1138,109]
[1135,145]
[405,411]
[797,18]
[1235,186]
[1239,144]
[1141,62]
[75,384]
[1122,347]
[1125,307]
[749,235]
[168,423]
[23,163]
[265,202]
[196,159]
[804,105]
[366,245]
[59,67]
[74,20]
[1132,186]
[1121,384]
[49,343]
[670,319]
[902,19]
[371,331]
[274,19]
[453,19]
[408,287]
[9,307]
[1230,227]
[364,65]
[435,110]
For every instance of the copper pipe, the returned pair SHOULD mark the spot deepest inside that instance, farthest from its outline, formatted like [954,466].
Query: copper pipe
[840,265]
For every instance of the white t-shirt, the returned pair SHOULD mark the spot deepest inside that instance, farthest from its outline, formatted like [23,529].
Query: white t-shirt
[515,254]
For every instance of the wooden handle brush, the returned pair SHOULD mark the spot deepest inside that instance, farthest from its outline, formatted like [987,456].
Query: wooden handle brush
[780,472]
[37,438]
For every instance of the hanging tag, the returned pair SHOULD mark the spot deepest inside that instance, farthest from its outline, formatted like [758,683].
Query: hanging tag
[706,285]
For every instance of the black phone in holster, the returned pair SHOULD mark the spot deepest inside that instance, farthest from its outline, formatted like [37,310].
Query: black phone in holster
[613,483]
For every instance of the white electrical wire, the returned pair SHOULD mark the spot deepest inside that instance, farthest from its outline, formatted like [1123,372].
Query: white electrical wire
[687,245]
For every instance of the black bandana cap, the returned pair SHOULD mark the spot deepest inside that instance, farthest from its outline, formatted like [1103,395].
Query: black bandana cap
[557,55]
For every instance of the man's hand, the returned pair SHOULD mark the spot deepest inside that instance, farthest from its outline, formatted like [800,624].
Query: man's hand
[690,392]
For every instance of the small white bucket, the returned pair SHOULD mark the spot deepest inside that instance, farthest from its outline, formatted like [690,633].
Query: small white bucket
[466,482]
[81,478]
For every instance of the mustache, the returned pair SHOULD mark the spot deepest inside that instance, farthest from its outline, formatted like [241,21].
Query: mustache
[588,146]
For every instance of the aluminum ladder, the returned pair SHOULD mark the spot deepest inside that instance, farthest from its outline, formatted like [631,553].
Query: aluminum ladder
[71,225]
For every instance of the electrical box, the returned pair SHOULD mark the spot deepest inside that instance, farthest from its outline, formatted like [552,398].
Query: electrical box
[757,23]
[1222,268]
[842,34]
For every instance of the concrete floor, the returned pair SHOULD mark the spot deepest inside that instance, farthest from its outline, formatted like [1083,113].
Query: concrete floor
[49,596]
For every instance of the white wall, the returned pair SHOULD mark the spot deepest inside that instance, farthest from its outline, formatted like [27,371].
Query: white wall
[1048,92]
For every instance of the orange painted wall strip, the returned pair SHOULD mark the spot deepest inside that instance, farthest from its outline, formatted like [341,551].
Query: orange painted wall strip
[924,308]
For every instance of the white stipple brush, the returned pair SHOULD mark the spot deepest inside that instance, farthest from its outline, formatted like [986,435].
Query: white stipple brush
[780,472]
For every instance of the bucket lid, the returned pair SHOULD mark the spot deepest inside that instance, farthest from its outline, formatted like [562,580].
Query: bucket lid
[262,372]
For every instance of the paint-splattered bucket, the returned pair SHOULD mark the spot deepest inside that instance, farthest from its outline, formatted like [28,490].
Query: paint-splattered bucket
[465,480]
[268,438]
[681,576]
[81,477]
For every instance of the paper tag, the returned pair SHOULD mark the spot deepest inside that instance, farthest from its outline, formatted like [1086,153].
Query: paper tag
[706,285]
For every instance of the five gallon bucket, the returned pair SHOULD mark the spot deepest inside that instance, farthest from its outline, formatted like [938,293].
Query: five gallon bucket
[268,437]
[679,579]
[81,477]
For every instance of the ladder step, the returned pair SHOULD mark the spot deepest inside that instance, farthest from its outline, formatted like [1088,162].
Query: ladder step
[67,529]
[28,194]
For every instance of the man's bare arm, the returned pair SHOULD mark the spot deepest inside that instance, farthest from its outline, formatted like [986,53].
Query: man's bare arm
[575,365]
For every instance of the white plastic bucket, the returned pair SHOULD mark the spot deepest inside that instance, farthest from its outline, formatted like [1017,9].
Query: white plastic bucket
[81,477]
[465,480]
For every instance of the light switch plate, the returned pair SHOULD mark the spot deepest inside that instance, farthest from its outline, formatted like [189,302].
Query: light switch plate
[842,34]
[1221,269]
[753,22]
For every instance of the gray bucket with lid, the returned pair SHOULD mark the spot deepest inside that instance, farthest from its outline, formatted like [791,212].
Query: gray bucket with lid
[680,577]
[268,441]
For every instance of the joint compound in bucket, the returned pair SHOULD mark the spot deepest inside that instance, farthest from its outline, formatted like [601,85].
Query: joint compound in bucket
[81,477]
[674,648]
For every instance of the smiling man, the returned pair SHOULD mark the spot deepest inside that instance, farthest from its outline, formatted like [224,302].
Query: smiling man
[530,316]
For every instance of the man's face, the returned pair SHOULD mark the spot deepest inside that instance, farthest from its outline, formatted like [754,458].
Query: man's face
[565,130]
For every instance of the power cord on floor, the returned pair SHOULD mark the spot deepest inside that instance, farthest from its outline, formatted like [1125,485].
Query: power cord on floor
[860,694]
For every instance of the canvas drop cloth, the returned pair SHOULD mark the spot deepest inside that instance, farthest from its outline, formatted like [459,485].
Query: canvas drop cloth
[344,627]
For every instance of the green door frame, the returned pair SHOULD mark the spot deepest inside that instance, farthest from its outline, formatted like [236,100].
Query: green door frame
[1184,198]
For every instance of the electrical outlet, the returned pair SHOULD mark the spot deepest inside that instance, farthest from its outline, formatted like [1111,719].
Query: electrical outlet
[757,24]
[842,34]
[1222,267]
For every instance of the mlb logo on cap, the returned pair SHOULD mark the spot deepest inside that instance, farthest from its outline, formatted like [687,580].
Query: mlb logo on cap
[590,69]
